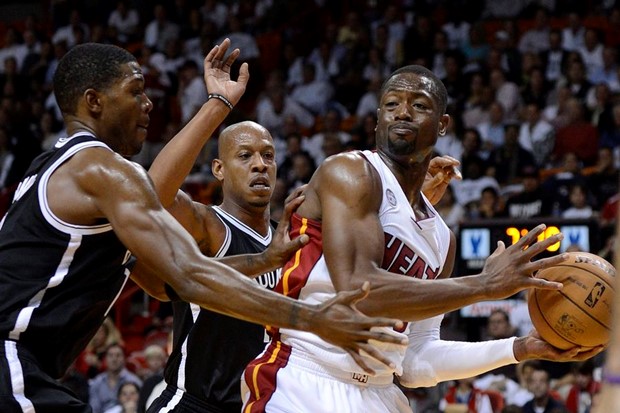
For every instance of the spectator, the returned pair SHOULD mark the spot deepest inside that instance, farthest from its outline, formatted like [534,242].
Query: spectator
[536,39]
[573,36]
[75,32]
[607,73]
[506,93]
[160,30]
[610,132]
[592,53]
[467,397]
[533,202]
[510,159]
[579,208]
[603,182]
[559,183]
[542,402]
[581,394]
[579,136]
[489,206]
[312,94]
[127,399]
[536,135]
[576,79]
[192,90]
[215,12]
[125,22]
[274,107]
[554,59]
[451,212]
[492,131]
[332,126]
[104,388]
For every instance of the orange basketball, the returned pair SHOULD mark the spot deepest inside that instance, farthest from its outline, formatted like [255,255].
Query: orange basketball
[580,313]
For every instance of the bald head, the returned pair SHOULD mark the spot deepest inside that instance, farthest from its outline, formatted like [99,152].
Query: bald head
[229,136]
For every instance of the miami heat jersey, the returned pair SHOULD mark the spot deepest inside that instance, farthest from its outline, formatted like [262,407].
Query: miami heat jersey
[211,350]
[414,248]
[58,280]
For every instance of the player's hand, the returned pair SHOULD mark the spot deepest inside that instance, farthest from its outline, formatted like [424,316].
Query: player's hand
[510,270]
[217,73]
[282,247]
[340,323]
[441,170]
[533,346]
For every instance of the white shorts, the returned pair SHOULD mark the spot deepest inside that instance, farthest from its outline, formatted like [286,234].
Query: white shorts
[280,382]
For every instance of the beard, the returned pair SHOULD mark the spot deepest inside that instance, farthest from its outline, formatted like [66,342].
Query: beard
[401,147]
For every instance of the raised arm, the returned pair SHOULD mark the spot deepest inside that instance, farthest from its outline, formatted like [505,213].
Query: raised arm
[349,192]
[99,183]
[176,159]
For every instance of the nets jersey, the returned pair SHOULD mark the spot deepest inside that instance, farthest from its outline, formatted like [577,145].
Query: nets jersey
[414,248]
[210,349]
[58,279]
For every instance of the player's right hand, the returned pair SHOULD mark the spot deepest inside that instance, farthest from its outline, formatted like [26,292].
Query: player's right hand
[343,325]
[510,270]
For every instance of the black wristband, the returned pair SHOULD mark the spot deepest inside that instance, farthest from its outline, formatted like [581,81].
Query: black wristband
[222,98]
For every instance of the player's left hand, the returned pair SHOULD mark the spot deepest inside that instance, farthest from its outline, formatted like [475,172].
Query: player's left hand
[533,346]
[441,170]
[217,73]
[282,247]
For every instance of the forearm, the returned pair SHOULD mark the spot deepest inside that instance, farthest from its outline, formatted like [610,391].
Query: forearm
[411,299]
[251,265]
[176,159]
[430,360]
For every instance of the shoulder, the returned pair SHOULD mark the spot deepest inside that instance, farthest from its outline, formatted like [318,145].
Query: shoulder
[350,169]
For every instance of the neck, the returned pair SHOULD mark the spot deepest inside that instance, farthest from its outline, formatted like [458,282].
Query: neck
[410,174]
[257,218]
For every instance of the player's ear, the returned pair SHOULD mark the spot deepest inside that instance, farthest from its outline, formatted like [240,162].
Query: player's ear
[217,168]
[93,100]
[443,124]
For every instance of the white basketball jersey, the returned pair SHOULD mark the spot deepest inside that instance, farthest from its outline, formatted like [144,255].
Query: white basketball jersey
[412,248]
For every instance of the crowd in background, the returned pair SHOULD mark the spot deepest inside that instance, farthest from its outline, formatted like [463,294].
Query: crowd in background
[534,96]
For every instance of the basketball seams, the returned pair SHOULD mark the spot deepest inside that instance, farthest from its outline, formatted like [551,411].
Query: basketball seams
[608,328]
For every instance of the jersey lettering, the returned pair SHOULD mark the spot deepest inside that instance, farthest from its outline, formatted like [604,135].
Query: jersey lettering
[398,258]
[269,280]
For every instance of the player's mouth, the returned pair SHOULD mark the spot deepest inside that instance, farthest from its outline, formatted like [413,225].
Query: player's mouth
[402,129]
[260,183]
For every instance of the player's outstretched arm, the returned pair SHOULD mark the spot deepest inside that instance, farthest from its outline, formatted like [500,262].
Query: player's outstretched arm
[176,159]
[349,192]
[122,193]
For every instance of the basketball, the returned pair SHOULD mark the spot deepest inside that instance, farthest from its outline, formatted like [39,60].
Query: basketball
[580,313]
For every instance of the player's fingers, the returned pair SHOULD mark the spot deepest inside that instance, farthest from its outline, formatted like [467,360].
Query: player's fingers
[359,360]
[221,51]
[540,246]
[529,238]
[546,262]
[543,284]
[210,56]
[353,296]
[499,249]
[589,353]
[455,173]
[231,58]
[244,74]
[371,351]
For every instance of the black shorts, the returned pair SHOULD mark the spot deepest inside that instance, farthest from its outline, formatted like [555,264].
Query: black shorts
[175,401]
[24,388]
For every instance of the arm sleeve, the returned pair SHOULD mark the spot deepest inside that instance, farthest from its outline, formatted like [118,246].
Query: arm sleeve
[430,360]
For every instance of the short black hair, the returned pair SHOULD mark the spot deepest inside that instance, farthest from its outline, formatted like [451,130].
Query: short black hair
[439,90]
[85,66]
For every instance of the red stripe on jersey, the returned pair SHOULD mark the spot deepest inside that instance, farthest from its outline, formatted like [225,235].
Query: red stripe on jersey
[260,376]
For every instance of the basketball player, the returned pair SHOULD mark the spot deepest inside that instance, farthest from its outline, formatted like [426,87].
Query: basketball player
[367,220]
[64,241]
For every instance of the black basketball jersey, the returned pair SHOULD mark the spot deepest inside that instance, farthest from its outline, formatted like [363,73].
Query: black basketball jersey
[212,350]
[57,280]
